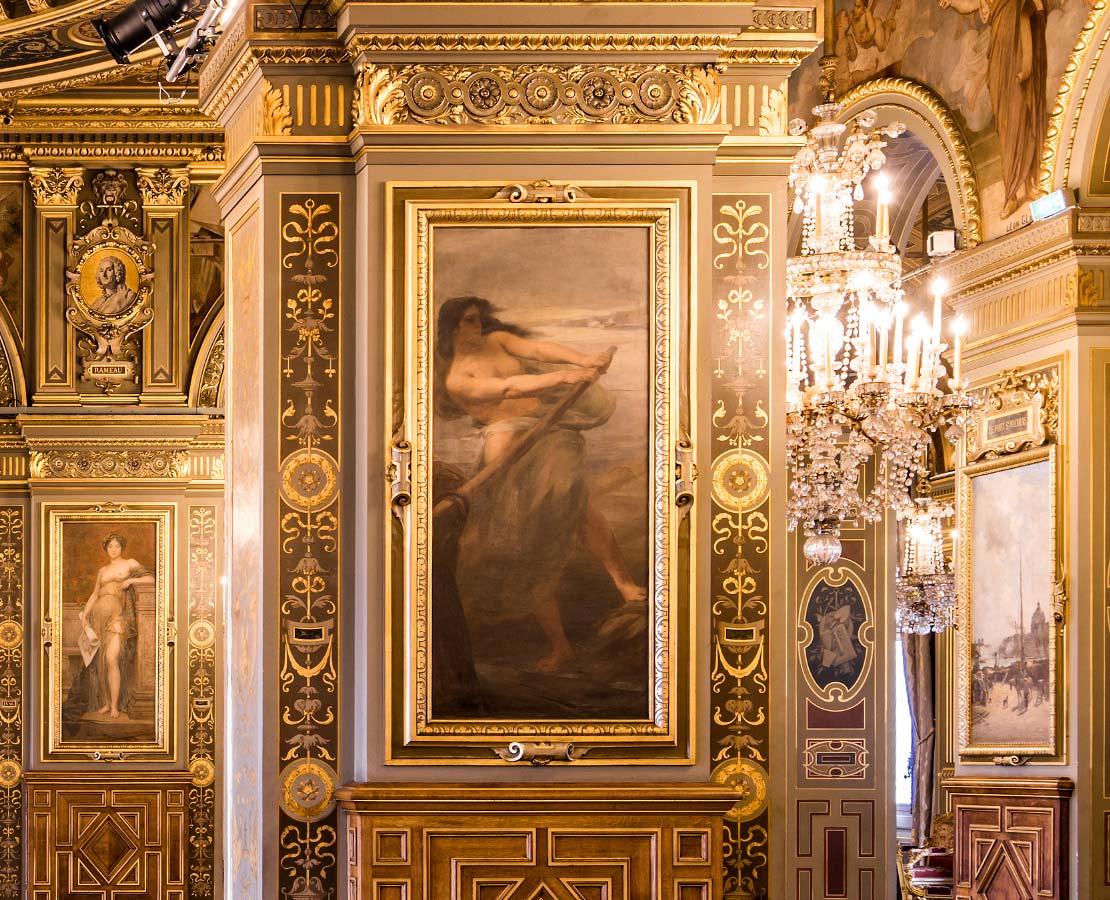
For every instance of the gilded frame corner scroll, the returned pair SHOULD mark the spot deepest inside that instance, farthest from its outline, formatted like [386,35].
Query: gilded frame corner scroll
[96,624]
[1010,575]
[425,218]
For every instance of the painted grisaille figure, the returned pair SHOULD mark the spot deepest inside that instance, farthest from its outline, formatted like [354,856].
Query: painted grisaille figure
[529,504]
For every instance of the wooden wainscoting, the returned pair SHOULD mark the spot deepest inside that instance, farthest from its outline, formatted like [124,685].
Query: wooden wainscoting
[1011,837]
[535,842]
[107,835]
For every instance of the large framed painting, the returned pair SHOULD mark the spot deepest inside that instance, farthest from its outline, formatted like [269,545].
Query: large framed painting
[108,628]
[1011,607]
[539,580]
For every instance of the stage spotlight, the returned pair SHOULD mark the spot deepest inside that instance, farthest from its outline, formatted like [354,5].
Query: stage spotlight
[140,23]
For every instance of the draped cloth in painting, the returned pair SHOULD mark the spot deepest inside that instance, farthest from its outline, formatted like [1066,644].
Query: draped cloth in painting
[917,657]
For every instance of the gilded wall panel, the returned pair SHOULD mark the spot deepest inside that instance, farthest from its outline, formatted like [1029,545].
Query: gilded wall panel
[310,542]
[740,486]
[12,679]
[203,544]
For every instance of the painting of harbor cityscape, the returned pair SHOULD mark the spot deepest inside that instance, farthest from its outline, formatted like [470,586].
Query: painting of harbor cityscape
[1012,672]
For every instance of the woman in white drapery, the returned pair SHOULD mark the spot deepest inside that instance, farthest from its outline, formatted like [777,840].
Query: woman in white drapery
[108,630]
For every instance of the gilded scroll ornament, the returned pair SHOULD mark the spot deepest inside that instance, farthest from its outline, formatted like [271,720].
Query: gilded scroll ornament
[739,733]
[56,186]
[163,186]
[106,463]
[203,581]
[309,544]
[11,700]
[1016,411]
[537,95]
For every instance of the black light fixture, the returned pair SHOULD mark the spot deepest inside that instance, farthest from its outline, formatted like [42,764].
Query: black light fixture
[153,20]
[138,24]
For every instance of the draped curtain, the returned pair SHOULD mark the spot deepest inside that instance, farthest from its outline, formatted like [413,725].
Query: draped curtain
[917,657]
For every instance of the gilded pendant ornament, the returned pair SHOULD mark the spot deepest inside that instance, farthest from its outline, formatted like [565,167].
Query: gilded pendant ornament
[310,547]
[536,95]
[740,392]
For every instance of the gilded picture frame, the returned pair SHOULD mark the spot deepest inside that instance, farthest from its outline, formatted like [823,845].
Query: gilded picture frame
[109,632]
[514,634]
[1011,608]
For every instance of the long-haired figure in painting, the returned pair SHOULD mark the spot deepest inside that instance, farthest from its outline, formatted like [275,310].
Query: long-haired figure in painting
[105,696]
[543,584]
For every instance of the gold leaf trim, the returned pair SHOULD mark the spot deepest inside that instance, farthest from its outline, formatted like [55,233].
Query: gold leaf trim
[56,186]
[1051,157]
[547,42]
[162,186]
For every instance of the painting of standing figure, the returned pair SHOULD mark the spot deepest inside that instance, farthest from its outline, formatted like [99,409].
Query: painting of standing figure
[541,380]
[109,618]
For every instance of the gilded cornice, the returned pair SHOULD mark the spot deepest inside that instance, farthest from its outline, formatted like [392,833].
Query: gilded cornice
[762,55]
[113,147]
[109,118]
[162,186]
[786,18]
[1011,256]
[82,79]
[55,186]
[1051,158]
[956,150]
[250,58]
[545,42]
[543,94]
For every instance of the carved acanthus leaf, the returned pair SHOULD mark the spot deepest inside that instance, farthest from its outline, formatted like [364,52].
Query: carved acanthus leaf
[773,115]
[274,115]
[162,186]
[56,186]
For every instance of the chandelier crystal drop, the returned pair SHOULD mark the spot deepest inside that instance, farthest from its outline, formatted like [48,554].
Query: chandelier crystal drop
[925,586]
[861,380]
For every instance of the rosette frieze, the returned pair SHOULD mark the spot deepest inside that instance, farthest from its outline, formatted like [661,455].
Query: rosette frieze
[541,94]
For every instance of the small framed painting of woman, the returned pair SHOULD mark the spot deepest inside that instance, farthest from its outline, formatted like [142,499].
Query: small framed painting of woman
[108,626]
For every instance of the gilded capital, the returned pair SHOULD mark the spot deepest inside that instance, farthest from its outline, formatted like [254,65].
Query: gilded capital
[56,186]
[162,186]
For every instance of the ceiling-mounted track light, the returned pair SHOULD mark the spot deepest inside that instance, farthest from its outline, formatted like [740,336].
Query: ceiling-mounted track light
[154,20]
[139,24]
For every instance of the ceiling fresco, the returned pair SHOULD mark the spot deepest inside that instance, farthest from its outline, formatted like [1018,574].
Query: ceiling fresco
[997,65]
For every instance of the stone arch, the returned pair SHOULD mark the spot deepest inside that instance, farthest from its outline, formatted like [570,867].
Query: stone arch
[13,383]
[1074,121]
[206,386]
[930,120]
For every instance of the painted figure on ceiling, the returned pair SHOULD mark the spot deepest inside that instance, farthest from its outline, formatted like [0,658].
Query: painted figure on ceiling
[1017,69]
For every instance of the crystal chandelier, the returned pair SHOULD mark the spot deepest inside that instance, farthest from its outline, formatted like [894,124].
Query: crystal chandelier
[861,381]
[925,586]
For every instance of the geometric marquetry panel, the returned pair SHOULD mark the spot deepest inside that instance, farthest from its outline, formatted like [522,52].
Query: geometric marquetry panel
[542,842]
[107,836]
[836,852]
[1011,837]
